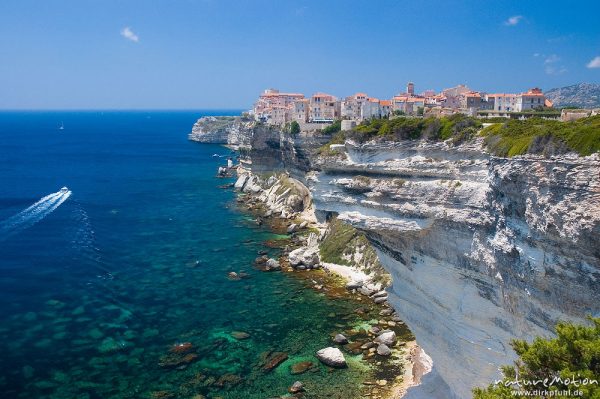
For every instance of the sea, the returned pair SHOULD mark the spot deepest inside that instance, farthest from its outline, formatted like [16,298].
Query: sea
[116,241]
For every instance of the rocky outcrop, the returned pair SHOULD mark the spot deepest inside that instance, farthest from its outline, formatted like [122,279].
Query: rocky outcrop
[481,249]
[228,130]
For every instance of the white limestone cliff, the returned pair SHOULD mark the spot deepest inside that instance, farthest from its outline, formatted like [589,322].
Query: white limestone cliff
[481,249]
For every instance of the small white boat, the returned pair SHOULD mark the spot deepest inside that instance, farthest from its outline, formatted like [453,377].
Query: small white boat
[64,190]
[62,126]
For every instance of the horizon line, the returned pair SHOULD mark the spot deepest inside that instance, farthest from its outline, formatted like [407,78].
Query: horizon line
[116,109]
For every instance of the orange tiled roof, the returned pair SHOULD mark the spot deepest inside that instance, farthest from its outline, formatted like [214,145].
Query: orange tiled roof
[385,103]
[321,95]
[530,94]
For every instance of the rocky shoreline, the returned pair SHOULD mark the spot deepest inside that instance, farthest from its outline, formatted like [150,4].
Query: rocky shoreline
[479,249]
[385,343]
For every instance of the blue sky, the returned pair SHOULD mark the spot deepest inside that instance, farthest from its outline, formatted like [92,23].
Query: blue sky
[221,54]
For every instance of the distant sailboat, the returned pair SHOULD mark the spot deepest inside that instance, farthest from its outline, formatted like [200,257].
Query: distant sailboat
[62,126]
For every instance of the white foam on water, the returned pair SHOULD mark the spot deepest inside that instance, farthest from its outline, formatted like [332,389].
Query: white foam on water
[33,214]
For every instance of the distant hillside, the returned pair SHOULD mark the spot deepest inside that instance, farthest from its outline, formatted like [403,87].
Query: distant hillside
[586,95]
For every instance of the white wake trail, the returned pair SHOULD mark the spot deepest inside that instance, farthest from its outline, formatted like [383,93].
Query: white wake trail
[33,214]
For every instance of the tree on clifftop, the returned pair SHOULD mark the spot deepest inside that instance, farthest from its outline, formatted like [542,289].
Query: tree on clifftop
[569,362]
[294,128]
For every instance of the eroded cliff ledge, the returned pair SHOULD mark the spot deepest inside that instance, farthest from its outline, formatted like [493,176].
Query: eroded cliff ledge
[481,249]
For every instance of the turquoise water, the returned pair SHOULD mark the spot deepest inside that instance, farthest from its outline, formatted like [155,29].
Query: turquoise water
[99,283]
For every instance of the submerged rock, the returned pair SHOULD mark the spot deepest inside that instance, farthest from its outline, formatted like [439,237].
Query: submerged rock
[272,359]
[184,347]
[233,276]
[176,360]
[300,367]
[354,348]
[332,357]
[240,335]
[228,380]
[110,344]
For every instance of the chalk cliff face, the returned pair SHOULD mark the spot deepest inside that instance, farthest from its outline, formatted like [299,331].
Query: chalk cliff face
[481,249]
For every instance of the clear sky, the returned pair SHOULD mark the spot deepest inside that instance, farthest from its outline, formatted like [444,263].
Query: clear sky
[220,54]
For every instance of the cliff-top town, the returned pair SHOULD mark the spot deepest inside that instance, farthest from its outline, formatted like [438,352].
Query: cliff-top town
[277,108]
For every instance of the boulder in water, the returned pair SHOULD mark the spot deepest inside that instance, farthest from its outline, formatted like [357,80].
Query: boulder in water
[240,182]
[340,339]
[332,357]
[272,264]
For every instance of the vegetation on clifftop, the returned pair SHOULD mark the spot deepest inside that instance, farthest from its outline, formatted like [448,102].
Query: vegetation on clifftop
[573,355]
[458,127]
[335,127]
[541,136]
[504,138]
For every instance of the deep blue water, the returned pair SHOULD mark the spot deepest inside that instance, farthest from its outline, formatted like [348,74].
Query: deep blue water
[96,287]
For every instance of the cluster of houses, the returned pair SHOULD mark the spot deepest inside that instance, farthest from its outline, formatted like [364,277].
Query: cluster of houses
[277,108]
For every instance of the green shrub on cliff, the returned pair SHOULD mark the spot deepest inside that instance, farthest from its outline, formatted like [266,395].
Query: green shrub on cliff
[405,128]
[564,363]
[541,136]
[294,128]
[338,236]
[339,245]
[333,128]
[506,138]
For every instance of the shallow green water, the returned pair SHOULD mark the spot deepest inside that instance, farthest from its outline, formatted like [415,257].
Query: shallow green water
[97,292]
